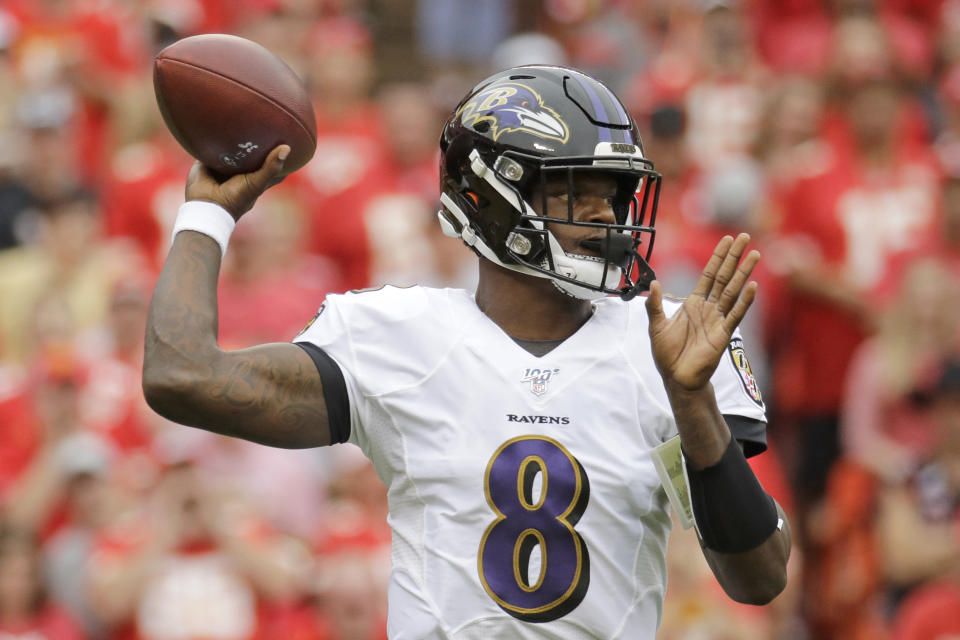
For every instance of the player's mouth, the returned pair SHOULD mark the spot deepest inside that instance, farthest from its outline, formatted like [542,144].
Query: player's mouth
[591,247]
[616,248]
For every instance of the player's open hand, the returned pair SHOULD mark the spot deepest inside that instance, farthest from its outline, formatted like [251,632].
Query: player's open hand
[688,346]
[238,193]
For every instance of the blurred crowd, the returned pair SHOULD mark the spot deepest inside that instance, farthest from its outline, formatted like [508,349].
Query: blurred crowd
[828,129]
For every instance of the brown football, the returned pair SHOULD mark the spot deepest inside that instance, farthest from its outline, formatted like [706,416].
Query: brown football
[229,101]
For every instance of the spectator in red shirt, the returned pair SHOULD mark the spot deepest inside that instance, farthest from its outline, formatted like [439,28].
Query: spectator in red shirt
[93,500]
[33,497]
[679,201]
[141,188]
[725,105]
[20,433]
[348,603]
[86,53]
[270,269]
[349,142]
[788,142]
[841,226]
[390,208]
[792,35]
[353,559]
[886,426]
[200,565]
[112,402]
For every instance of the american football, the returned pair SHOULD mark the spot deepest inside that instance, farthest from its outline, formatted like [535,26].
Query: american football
[228,101]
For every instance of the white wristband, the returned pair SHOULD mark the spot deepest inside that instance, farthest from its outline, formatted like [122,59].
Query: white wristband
[207,218]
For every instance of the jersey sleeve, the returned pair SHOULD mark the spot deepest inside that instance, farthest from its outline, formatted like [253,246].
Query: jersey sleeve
[739,398]
[736,388]
[381,341]
[327,341]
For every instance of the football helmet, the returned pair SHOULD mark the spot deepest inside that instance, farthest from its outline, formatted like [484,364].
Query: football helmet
[522,127]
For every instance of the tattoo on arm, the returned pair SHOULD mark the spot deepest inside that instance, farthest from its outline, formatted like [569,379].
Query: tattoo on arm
[271,394]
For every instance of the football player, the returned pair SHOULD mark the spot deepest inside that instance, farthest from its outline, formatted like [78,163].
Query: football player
[513,428]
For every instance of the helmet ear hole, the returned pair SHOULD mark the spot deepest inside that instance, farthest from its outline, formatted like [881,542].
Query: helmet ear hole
[469,201]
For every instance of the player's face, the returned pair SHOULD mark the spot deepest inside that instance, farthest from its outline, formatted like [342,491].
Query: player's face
[592,199]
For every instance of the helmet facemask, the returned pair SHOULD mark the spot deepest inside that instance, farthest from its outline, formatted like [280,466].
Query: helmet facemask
[513,235]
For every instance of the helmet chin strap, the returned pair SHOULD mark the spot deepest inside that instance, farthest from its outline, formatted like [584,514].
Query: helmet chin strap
[585,269]
[580,293]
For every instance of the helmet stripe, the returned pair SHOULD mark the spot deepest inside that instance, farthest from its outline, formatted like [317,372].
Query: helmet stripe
[601,113]
[601,101]
[624,118]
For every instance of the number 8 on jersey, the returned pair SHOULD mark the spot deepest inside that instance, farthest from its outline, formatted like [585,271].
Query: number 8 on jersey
[523,524]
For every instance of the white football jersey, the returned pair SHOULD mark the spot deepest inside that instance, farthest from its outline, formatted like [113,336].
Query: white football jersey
[523,499]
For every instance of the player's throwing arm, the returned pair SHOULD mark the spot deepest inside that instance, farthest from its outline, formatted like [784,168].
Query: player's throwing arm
[271,393]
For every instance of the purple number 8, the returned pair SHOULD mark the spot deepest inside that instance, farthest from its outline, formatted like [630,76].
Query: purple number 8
[523,523]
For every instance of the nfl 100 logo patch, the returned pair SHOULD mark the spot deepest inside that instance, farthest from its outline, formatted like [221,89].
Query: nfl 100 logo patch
[538,379]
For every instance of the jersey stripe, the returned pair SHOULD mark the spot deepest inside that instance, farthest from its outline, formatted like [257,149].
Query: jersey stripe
[334,392]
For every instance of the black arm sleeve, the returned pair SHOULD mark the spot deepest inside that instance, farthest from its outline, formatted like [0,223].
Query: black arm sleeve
[334,392]
[733,512]
[752,434]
